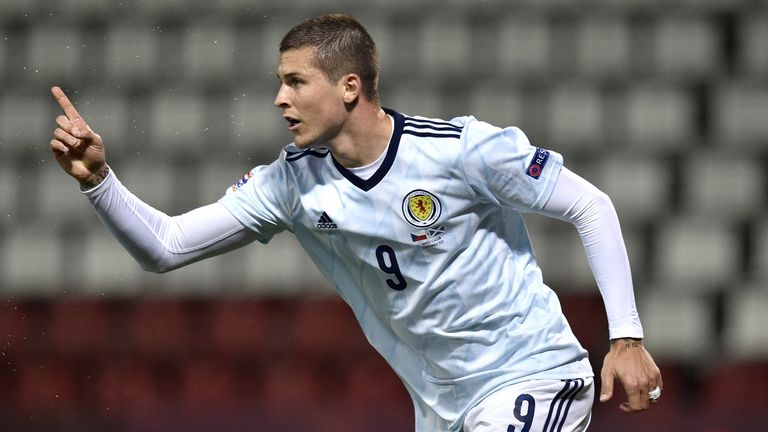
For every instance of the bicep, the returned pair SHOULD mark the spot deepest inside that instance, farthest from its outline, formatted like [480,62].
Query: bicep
[573,198]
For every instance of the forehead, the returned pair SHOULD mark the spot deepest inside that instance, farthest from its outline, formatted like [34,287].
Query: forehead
[297,61]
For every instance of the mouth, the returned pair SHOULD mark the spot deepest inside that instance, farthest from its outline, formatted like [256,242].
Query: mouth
[293,123]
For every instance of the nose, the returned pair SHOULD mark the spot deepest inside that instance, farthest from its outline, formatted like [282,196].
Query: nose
[281,100]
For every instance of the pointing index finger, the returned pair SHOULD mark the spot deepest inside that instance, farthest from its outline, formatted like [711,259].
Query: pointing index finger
[65,103]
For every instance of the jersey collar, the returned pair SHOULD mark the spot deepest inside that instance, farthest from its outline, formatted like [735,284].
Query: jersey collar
[389,159]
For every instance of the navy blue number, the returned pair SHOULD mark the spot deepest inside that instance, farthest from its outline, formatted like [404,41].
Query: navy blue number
[526,418]
[385,255]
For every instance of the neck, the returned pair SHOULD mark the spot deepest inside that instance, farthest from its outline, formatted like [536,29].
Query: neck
[364,136]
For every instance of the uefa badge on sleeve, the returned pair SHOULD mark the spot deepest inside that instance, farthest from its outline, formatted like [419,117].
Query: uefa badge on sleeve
[536,166]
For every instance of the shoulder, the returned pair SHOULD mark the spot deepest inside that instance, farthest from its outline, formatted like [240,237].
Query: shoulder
[427,127]
[467,128]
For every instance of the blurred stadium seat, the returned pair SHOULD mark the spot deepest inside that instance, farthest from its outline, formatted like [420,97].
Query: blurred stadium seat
[26,250]
[128,387]
[242,330]
[686,47]
[734,389]
[208,386]
[160,329]
[576,119]
[209,55]
[753,33]
[177,122]
[46,386]
[745,321]
[603,44]
[507,108]
[697,251]
[659,117]
[723,185]
[444,44]
[648,177]
[524,45]
[9,187]
[759,259]
[26,124]
[80,329]
[53,51]
[131,52]
[323,329]
[674,321]
[740,110]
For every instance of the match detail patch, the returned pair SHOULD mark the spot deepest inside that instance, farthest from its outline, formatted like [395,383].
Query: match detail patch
[537,163]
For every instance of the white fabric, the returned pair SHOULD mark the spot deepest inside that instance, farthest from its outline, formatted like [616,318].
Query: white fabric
[535,406]
[457,306]
[432,255]
[577,201]
[159,242]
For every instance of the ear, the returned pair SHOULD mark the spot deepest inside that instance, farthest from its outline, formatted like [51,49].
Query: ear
[351,87]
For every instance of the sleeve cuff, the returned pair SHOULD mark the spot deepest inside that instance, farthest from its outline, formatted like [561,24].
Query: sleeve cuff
[99,188]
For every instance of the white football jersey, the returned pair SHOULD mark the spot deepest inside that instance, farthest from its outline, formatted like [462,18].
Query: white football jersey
[432,255]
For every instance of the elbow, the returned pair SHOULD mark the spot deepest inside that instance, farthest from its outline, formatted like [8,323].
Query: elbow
[155,267]
[602,200]
[154,264]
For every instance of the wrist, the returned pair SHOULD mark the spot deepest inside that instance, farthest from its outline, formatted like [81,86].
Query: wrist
[626,343]
[95,179]
[627,339]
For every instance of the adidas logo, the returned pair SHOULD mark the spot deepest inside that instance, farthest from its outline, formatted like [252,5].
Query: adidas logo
[325,222]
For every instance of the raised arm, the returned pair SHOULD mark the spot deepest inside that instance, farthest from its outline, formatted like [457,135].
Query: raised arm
[157,241]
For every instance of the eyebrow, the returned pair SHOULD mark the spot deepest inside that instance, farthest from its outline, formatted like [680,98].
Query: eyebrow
[287,75]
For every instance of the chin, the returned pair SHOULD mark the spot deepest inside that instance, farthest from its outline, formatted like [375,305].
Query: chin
[306,143]
[303,143]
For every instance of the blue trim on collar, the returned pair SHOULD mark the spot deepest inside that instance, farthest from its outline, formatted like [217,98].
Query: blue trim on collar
[389,159]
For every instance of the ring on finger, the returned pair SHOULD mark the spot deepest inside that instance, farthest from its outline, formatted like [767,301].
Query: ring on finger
[654,394]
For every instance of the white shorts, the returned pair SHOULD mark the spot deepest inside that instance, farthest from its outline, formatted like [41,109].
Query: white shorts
[535,406]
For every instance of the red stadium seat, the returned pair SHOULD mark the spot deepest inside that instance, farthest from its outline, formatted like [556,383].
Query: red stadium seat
[80,328]
[46,386]
[291,386]
[160,329]
[129,387]
[738,386]
[327,330]
[586,315]
[375,398]
[241,329]
[208,387]
[13,327]
[27,333]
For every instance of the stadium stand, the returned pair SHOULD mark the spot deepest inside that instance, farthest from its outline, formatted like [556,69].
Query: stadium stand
[661,104]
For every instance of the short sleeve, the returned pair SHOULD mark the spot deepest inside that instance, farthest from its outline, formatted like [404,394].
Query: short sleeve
[502,167]
[257,200]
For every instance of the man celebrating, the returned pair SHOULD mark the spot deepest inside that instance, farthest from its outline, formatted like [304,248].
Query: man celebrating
[417,224]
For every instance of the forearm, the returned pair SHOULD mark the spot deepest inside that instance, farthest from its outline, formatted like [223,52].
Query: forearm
[577,201]
[157,241]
